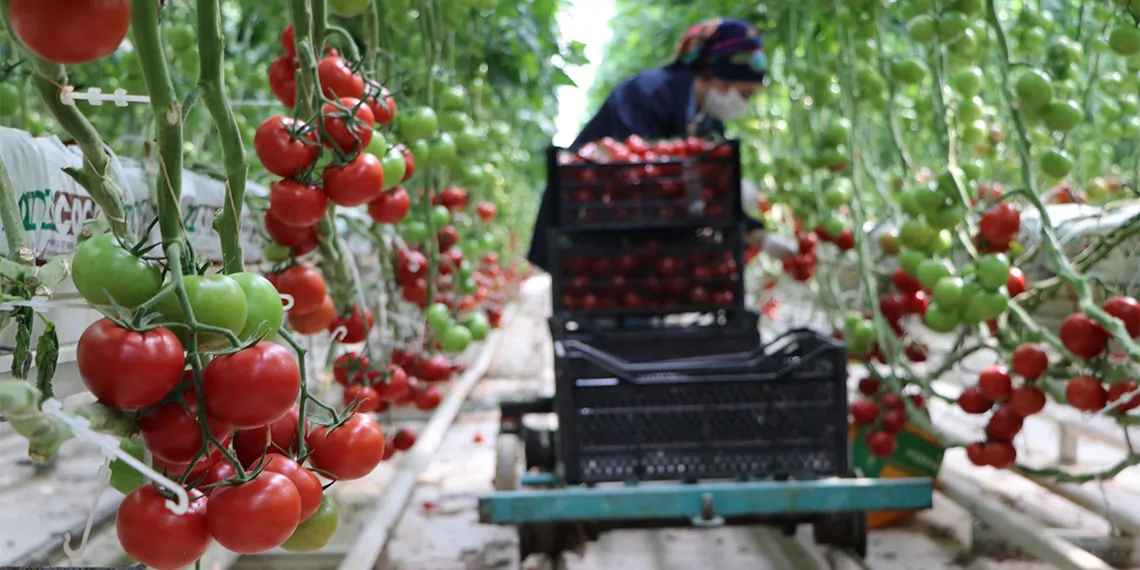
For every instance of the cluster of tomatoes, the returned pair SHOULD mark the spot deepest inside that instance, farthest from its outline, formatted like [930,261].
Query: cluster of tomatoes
[612,181]
[364,169]
[645,276]
[995,392]
[885,412]
[1085,338]
[998,227]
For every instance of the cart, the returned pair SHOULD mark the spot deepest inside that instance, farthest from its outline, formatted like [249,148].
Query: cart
[671,412]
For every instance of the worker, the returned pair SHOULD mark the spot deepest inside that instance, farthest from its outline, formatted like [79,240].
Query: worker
[718,67]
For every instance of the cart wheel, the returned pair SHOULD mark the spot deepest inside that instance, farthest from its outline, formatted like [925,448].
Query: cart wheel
[506,462]
[538,449]
[843,530]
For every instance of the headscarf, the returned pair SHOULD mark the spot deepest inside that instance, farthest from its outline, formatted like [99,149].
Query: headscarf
[726,48]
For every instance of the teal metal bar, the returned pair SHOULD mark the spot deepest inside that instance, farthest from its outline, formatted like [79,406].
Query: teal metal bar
[540,480]
[677,501]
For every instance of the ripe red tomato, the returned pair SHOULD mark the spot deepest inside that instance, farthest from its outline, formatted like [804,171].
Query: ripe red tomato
[976,453]
[79,31]
[1118,391]
[355,183]
[1004,424]
[363,397]
[215,475]
[405,439]
[995,383]
[428,399]
[355,324]
[395,386]
[171,431]
[287,235]
[409,161]
[434,369]
[916,352]
[999,454]
[894,421]
[1027,400]
[864,412]
[904,282]
[289,40]
[283,79]
[1016,284]
[416,293]
[280,149]
[351,129]
[126,369]
[381,102]
[486,211]
[1086,394]
[846,240]
[1000,224]
[157,537]
[316,321]
[454,198]
[1083,337]
[1030,361]
[880,443]
[869,386]
[348,451]
[279,437]
[390,207]
[305,285]
[306,482]
[973,401]
[1127,310]
[337,80]
[253,387]
[350,368]
[296,204]
[256,516]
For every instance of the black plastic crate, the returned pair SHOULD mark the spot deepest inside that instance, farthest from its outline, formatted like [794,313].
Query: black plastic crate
[778,411]
[650,339]
[702,189]
[647,271]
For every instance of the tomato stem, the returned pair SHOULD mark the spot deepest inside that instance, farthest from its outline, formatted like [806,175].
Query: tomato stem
[19,250]
[211,83]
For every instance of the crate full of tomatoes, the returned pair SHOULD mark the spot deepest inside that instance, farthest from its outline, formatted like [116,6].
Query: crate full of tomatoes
[673,271]
[637,184]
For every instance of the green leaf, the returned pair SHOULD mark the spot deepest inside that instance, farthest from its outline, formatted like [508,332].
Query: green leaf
[47,356]
[125,478]
[25,318]
[560,79]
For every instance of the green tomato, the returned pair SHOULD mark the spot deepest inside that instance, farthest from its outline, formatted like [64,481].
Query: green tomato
[275,252]
[441,216]
[455,339]
[1056,163]
[986,305]
[915,234]
[103,270]
[419,125]
[421,150]
[950,293]
[1063,116]
[443,152]
[454,98]
[414,231]
[349,8]
[315,533]
[861,337]
[180,37]
[1124,39]
[833,225]
[395,167]
[946,218]
[217,300]
[453,122]
[125,478]
[942,241]
[908,71]
[438,316]
[836,133]
[952,25]
[922,29]
[930,271]
[837,195]
[1034,90]
[909,259]
[993,271]
[968,82]
[971,109]
[939,319]
[378,146]
[975,133]
[9,99]
[909,202]
[477,323]
[264,312]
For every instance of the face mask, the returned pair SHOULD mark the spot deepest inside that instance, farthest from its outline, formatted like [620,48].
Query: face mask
[725,106]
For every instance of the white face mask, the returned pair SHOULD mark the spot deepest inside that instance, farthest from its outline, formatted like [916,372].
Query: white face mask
[725,106]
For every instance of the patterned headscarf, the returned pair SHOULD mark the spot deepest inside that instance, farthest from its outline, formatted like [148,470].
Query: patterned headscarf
[726,48]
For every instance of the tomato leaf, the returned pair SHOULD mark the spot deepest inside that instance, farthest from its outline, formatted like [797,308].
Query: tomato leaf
[25,317]
[560,79]
[47,355]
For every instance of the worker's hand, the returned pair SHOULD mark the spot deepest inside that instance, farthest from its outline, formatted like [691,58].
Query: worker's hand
[772,244]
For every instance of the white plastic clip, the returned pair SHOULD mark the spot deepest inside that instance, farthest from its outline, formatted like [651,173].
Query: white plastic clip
[95,96]
[339,333]
[288,302]
[104,475]
[109,445]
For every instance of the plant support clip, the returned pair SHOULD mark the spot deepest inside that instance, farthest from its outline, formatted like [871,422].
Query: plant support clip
[95,96]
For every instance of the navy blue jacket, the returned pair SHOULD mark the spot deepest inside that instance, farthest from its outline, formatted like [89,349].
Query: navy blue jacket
[654,104]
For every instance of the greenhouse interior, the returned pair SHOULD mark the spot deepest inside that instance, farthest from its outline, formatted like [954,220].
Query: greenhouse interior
[610,284]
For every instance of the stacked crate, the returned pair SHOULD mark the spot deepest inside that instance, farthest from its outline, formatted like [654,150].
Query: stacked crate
[659,367]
